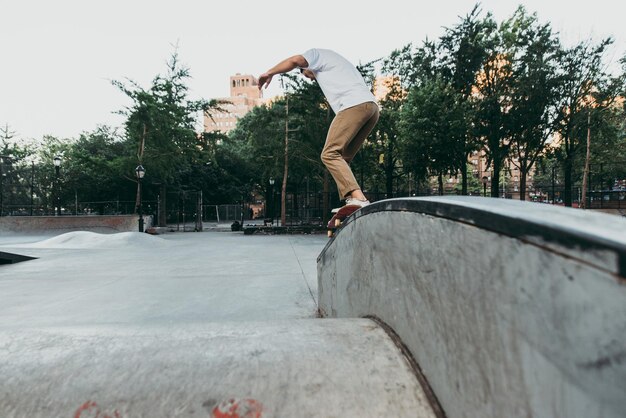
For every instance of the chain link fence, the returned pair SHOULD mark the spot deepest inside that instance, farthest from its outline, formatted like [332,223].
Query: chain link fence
[24,191]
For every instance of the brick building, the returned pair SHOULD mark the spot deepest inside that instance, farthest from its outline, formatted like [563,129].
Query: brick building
[244,95]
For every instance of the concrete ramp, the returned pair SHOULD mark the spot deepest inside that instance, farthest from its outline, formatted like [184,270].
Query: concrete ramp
[97,223]
[510,309]
[298,368]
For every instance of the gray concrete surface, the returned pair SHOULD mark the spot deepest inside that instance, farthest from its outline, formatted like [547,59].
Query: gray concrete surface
[532,323]
[132,278]
[133,325]
[293,368]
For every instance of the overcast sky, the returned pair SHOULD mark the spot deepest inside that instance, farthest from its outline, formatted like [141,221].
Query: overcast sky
[58,57]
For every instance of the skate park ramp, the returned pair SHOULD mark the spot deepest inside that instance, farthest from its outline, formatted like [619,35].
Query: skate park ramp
[434,307]
[297,368]
[509,309]
[100,223]
[211,324]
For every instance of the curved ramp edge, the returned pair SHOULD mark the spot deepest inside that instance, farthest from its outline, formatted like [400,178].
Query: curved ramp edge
[291,368]
[509,308]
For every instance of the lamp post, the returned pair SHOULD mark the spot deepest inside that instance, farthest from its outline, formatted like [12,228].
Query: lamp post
[140,172]
[2,185]
[272,198]
[485,180]
[553,181]
[57,171]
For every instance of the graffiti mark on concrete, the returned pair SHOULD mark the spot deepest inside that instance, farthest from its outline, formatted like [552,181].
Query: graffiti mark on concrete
[238,408]
[90,409]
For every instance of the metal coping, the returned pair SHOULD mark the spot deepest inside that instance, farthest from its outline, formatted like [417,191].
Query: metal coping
[500,222]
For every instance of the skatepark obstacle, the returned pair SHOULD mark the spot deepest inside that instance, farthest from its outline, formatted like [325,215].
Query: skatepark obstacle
[509,308]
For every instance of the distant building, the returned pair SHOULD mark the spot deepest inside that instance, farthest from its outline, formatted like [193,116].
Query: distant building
[244,96]
[383,85]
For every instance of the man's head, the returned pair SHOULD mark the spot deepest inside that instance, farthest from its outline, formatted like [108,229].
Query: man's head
[307,73]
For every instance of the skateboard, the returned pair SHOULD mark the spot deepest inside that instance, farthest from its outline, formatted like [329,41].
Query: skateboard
[337,220]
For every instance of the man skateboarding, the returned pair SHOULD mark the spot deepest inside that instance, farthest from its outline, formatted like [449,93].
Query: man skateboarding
[355,107]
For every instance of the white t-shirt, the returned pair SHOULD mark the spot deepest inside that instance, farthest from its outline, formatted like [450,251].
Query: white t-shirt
[340,81]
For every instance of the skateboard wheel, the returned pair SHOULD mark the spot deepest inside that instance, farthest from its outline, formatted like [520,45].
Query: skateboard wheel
[330,234]
[337,222]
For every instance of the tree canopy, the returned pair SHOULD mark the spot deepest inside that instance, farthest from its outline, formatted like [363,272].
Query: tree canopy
[508,90]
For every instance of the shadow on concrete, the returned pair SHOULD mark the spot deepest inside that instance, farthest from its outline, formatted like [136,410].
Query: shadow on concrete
[10,258]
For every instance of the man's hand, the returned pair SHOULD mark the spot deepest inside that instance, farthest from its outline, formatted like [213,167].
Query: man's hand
[264,80]
[281,68]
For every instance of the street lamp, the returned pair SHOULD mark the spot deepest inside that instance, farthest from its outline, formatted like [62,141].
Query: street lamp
[272,198]
[485,180]
[57,170]
[2,175]
[140,172]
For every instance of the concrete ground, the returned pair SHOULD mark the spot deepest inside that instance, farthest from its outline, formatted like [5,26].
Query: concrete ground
[186,324]
[85,278]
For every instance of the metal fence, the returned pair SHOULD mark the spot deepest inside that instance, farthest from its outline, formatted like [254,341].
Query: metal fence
[302,208]
[21,195]
[608,199]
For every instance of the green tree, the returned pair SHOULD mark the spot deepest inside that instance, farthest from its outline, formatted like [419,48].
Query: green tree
[581,72]
[94,171]
[604,134]
[160,127]
[255,147]
[454,59]
[474,184]
[492,100]
[434,119]
[534,88]
[47,186]
[386,133]
[462,51]
[607,148]
[15,158]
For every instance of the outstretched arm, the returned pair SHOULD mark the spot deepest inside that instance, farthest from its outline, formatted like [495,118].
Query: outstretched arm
[282,67]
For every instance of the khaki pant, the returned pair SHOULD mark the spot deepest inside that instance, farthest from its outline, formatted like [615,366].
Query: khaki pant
[346,134]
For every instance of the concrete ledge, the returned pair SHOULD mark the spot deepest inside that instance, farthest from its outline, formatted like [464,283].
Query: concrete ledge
[27,224]
[292,368]
[510,308]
